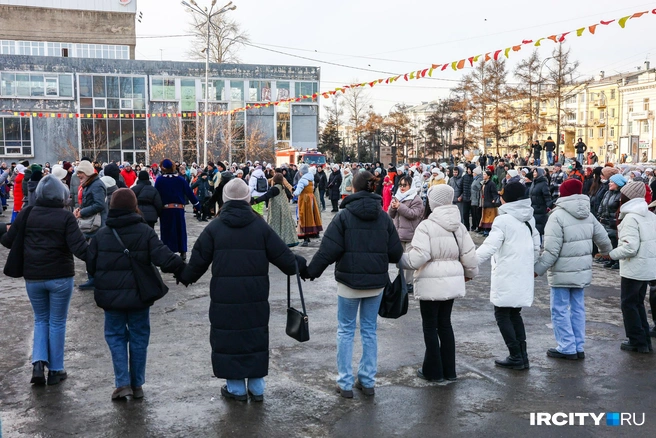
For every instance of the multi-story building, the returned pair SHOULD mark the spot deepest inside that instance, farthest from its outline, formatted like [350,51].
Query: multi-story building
[638,95]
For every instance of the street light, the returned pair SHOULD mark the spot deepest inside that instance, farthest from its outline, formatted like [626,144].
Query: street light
[208,15]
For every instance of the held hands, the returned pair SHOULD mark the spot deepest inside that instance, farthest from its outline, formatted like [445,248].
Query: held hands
[76,213]
[395,203]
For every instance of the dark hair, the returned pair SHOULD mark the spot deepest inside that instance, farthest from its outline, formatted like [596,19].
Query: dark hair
[277,178]
[364,182]
[406,179]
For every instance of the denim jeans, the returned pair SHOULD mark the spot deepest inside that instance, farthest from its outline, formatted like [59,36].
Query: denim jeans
[50,300]
[128,331]
[550,158]
[322,199]
[347,311]
[536,162]
[632,299]
[238,386]
[440,356]
[579,158]
[568,318]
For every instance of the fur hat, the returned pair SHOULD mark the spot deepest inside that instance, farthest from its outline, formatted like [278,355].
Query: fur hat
[85,167]
[619,180]
[570,187]
[634,189]
[435,170]
[607,172]
[440,195]
[236,190]
[514,191]
[123,199]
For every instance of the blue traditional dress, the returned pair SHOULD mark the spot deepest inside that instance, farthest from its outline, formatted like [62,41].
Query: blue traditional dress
[174,191]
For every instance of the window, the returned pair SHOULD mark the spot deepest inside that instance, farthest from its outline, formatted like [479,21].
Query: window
[259,91]
[283,90]
[282,122]
[579,132]
[630,105]
[612,112]
[188,94]
[582,100]
[591,133]
[645,104]
[162,89]
[305,89]
[216,91]
[237,91]
[36,85]
[601,132]
[591,115]
[15,136]
[612,94]
[612,132]
[601,114]
[645,127]
[582,117]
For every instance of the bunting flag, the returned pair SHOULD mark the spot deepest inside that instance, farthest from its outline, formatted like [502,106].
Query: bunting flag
[421,73]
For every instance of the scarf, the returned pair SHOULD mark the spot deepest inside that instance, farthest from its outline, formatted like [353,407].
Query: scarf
[409,195]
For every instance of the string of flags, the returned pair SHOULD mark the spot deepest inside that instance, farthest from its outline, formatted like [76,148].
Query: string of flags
[412,75]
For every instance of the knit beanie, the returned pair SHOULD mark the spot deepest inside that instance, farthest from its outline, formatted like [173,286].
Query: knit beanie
[143,175]
[108,181]
[512,173]
[514,191]
[123,199]
[236,190]
[440,195]
[477,171]
[59,172]
[570,187]
[618,179]
[36,175]
[85,167]
[303,169]
[607,172]
[634,189]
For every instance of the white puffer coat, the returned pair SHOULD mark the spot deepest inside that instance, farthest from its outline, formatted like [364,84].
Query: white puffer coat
[442,260]
[568,238]
[636,248]
[513,251]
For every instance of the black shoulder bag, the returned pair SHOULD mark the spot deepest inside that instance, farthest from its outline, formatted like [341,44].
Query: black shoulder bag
[394,303]
[16,258]
[150,285]
[297,321]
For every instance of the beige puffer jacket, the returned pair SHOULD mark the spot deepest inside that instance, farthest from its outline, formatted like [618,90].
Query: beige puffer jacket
[443,254]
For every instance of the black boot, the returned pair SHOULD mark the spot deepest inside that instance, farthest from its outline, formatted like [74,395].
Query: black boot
[522,346]
[514,361]
[89,284]
[183,256]
[38,373]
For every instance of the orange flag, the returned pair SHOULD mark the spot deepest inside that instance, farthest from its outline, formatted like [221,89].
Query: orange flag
[592,29]
[461,64]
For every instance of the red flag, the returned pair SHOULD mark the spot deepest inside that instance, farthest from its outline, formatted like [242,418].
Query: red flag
[471,61]
[496,54]
[405,76]
[423,72]
[527,41]
[562,37]
[444,67]
[606,23]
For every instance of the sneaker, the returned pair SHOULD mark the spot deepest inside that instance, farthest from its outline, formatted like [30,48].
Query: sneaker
[628,346]
[55,377]
[38,373]
[121,393]
[346,393]
[137,392]
[580,354]
[366,391]
[552,352]
[254,397]
[229,395]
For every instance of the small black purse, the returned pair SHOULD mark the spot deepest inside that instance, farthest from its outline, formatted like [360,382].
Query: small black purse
[297,321]
[394,302]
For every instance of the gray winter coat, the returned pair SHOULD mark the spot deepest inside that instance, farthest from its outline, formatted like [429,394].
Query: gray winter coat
[568,237]
[456,184]
[636,249]
[476,190]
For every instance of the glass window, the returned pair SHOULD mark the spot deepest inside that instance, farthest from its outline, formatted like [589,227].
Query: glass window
[163,89]
[283,90]
[601,114]
[645,127]
[591,132]
[188,94]
[645,104]
[217,89]
[127,134]
[283,122]
[601,132]
[86,86]
[37,85]
[612,130]
[630,105]
[65,86]
[139,88]
[157,89]
[15,136]
[612,112]
[99,86]
[126,87]
[140,134]
[112,86]
[52,86]
[612,94]
[305,89]
[8,84]
[237,91]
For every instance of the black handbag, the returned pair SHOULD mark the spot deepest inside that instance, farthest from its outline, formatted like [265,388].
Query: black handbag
[297,321]
[16,258]
[150,285]
[394,303]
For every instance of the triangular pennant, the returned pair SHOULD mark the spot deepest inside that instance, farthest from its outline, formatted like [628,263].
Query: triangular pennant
[606,23]
[461,64]
[539,42]
[592,29]
[562,37]
[507,51]
[430,72]
[454,65]
[405,76]
[552,38]
[476,58]
[487,56]
[527,41]
[496,54]
[412,76]
[622,21]
[423,72]
[517,48]
[471,61]
[580,31]
[639,14]
[444,67]
[436,66]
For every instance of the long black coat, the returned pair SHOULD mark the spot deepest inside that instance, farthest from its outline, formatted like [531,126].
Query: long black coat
[149,200]
[239,245]
[334,182]
[115,286]
[540,201]
[489,194]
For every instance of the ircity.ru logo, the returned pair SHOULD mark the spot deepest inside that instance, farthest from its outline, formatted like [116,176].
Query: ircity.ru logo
[586,418]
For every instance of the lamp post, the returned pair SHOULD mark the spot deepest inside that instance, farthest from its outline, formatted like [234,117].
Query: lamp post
[208,15]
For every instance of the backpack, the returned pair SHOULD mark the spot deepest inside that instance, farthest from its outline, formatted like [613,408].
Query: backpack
[262,185]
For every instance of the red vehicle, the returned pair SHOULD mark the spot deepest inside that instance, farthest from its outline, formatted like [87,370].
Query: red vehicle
[295,156]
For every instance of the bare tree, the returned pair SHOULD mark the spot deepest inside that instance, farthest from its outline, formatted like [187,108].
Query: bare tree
[357,104]
[528,74]
[226,39]
[335,111]
[502,120]
[164,142]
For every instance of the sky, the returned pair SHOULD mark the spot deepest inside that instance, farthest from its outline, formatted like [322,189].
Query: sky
[369,37]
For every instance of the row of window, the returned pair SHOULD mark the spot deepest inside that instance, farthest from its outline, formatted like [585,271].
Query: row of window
[16,136]
[645,104]
[49,85]
[65,50]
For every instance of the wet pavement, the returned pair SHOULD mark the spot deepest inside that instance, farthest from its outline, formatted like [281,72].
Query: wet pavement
[183,399]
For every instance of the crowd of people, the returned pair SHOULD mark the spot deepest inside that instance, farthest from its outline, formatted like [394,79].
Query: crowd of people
[555,219]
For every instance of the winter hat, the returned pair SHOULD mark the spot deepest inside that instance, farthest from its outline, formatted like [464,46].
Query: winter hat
[540,171]
[440,195]
[490,168]
[477,171]
[619,180]
[143,176]
[526,171]
[514,191]
[335,166]
[378,170]
[649,170]
[123,199]
[219,165]
[168,164]
[36,175]
[512,173]
[558,165]
[570,187]
[108,181]
[236,190]
[304,169]
[426,174]
[112,170]
[312,170]
[636,173]
[633,190]
[51,189]
[440,176]
[59,172]
[36,168]
[607,172]
[85,167]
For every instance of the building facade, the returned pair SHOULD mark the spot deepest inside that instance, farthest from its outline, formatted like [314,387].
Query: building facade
[54,108]
[637,115]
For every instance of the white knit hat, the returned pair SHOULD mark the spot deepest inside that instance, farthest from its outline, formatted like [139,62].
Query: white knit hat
[59,172]
[440,195]
[236,190]
[85,167]
[108,181]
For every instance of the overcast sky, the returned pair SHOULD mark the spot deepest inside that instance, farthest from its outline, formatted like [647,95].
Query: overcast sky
[401,36]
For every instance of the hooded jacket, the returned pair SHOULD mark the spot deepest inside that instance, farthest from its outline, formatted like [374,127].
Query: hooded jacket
[443,254]
[477,185]
[513,248]
[252,182]
[362,240]
[407,216]
[636,248]
[467,181]
[568,237]
[239,245]
[334,183]
[608,207]
[94,197]
[456,184]
[148,199]
[541,200]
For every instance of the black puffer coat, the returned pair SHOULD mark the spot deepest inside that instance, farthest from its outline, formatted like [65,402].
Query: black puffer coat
[595,200]
[148,199]
[115,285]
[467,180]
[540,201]
[334,182]
[239,245]
[362,240]
[490,194]
[608,209]
[94,197]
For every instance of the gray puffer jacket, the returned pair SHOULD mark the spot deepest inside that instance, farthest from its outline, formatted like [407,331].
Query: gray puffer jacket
[476,190]
[636,249]
[407,217]
[568,237]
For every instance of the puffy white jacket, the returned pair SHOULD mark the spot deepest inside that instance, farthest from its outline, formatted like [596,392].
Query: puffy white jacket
[443,254]
[636,247]
[252,183]
[513,250]
[568,238]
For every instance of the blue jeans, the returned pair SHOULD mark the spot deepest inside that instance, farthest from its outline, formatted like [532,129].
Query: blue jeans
[568,318]
[128,331]
[536,162]
[347,311]
[579,158]
[550,158]
[238,386]
[50,300]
